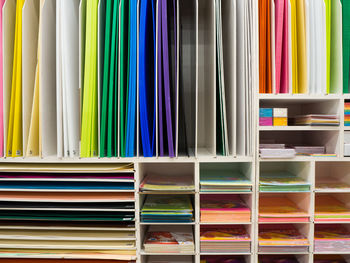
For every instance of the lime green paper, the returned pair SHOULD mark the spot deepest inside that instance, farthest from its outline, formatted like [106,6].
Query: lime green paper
[89,114]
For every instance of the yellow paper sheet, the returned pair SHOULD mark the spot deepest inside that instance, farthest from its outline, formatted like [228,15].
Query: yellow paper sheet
[14,134]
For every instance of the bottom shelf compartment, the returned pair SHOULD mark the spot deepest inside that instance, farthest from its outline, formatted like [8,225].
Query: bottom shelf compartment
[287,258]
[225,259]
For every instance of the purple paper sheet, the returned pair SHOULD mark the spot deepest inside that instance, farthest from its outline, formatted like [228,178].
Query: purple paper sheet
[167,97]
[160,82]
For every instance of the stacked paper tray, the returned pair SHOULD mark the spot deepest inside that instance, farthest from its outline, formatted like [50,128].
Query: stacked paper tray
[278,208]
[224,208]
[282,238]
[219,239]
[155,182]
[68,214]
[329,208]
[282,182]
[173,239]
[167,208]
[332,238]
[347,113]
[224,181]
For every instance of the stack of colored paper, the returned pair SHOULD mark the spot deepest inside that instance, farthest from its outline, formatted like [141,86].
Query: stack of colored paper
[224,181]
[328,208]
[347,113]
[167,208]
[280,209]
[281,238]
[317,120]
[218,239]
[332,238]
[222,259]
[274,150]
[174,239]
[327,184]
[277,259]
[282,182]
[329,259]
[224,208]
[170,183]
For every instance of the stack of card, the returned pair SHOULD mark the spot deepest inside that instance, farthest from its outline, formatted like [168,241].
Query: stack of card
[224,181]
[282,182]
[347,113]
[328,208]
[281,238]
[316,120]
[154,182]
[174,239]
[219,239]
[167,208]
[280,209]
[223,208]
[332,238]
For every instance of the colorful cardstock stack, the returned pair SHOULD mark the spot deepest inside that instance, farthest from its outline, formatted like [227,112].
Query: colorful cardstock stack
[175,239]
[222,239]
[328,208]
[170,183]
[316,120]
[167,208]
[332,238]
[282,238]
[265,117]
[347,113]
[280,117]
[224,208]
[282,182]
[332,185]
[280,209]
[224,181]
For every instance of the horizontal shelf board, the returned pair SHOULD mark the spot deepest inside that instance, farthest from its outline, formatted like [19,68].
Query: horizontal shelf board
[332,191]
[225,223]
[284,253]
[166,192]
[118,160]
[331,253]
[223,193]
[291,222]
[304,97]
[142,252]
[299,128]
[284,192]
[228,253]
[304,159]
[331,222]
[68,190]
[167,224]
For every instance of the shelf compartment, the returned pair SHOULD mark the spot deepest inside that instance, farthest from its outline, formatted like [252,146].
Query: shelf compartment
[212,205]
[333,207]
[299,169]
[163,258]
[214,175]
[168,170]
[332,238]
[301,232]
[235,239]
[299,203]
[329,139]
[332,177]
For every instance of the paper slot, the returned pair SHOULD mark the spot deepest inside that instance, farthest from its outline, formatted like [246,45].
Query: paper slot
[8,32]
[67,77]
[147,78]
[206,106]
[187,77]
[47,79]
